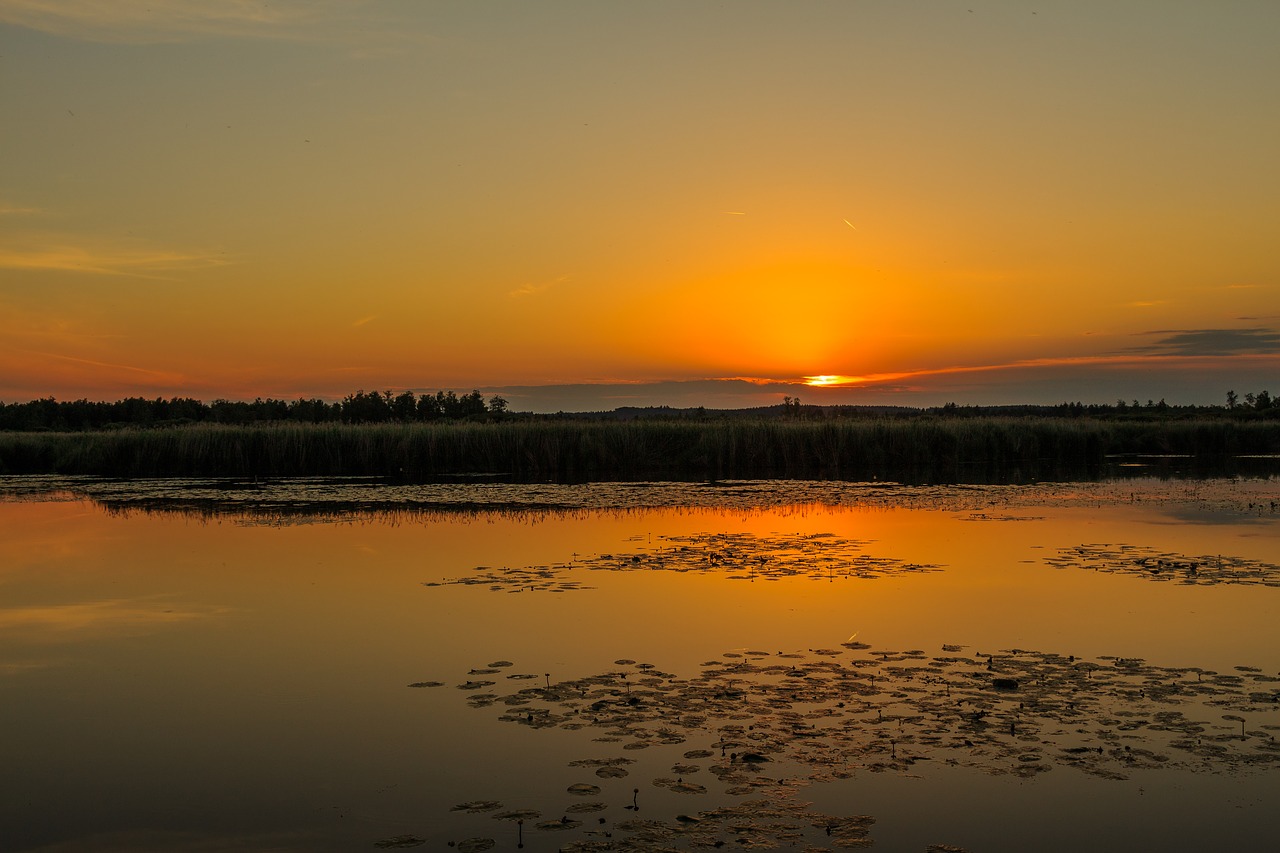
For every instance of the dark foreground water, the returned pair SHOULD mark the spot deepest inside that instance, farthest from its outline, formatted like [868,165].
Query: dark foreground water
[318,665]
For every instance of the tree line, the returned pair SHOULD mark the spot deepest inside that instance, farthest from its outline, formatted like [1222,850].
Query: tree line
[371,407]
[360,407]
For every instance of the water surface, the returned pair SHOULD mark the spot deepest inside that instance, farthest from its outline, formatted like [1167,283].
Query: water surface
[189,666]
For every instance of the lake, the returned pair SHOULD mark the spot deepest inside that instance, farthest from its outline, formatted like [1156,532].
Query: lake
[346,665]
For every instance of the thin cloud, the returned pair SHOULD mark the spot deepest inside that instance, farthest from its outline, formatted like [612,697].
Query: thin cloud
[153,20]
[166,21]
[1213,342]
[158,377]
[103,258]
[364,321]
[534,289]
[14,210]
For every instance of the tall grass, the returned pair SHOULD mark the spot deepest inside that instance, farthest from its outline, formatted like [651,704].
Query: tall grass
[917,449]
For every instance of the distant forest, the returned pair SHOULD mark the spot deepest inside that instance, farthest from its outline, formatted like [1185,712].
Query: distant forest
[375,407]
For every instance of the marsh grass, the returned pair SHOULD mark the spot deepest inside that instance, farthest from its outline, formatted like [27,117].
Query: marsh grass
[918,449]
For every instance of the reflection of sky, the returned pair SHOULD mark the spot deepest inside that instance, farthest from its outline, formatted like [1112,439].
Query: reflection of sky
[289,707]
[69,622]
[1198,515]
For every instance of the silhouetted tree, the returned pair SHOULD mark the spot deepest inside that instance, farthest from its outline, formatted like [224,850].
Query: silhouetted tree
[371,407]
[429,408]
[404,407]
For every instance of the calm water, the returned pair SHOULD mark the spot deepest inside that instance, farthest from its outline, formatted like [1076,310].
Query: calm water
[188,667]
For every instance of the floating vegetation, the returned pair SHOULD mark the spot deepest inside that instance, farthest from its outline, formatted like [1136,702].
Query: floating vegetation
[474,845]
[585,806]
[400,842]
[988,516]
[606,768]
[477,806]
[762,823]
[739,556]
[1166,566]
[771,723]
[260,500]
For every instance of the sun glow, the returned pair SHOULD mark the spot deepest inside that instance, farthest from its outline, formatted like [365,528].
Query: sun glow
[830,379]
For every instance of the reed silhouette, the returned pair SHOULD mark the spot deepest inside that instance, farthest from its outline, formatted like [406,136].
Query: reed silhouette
[969,449]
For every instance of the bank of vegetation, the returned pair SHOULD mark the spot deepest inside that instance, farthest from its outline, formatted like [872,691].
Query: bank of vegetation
[925,447]
[383,407]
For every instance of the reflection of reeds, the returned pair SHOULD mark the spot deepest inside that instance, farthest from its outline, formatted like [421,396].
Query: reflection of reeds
[904,449]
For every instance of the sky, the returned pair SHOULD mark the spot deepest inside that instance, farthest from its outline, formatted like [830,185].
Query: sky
[587,205]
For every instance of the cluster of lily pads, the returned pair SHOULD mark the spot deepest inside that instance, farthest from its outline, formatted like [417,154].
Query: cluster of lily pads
[356,499]
[738,556]
[760,725]
[1167,566]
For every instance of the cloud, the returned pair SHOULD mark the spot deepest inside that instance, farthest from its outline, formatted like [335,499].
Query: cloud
[721,393]
[150,20]
[164,21]
[14,210]
[158,377]
[534,289]
[1202,342]
[102,258]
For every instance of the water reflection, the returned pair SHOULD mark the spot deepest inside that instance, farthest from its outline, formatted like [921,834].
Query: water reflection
[233,672]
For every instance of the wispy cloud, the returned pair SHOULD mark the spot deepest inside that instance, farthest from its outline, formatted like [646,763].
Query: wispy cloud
[160,21]
[7,209]
[364,321]
[532,289]
[1213,342]
[159,376]
[152,20]
[102,258]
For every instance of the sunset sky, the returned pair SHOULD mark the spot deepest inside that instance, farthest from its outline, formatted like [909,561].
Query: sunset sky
[585,205]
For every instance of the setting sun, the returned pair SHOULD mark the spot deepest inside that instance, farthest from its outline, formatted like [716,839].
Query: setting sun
[828,379]
[319,197]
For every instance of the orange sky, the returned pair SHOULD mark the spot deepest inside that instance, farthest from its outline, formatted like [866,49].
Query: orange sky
[582,205]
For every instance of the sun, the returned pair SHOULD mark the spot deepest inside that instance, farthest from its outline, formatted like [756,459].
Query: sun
[828,379]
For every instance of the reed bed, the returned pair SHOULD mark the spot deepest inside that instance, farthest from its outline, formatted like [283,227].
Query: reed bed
[916,449]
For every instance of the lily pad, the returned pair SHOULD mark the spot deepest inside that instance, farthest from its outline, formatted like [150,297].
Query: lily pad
[474,845]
